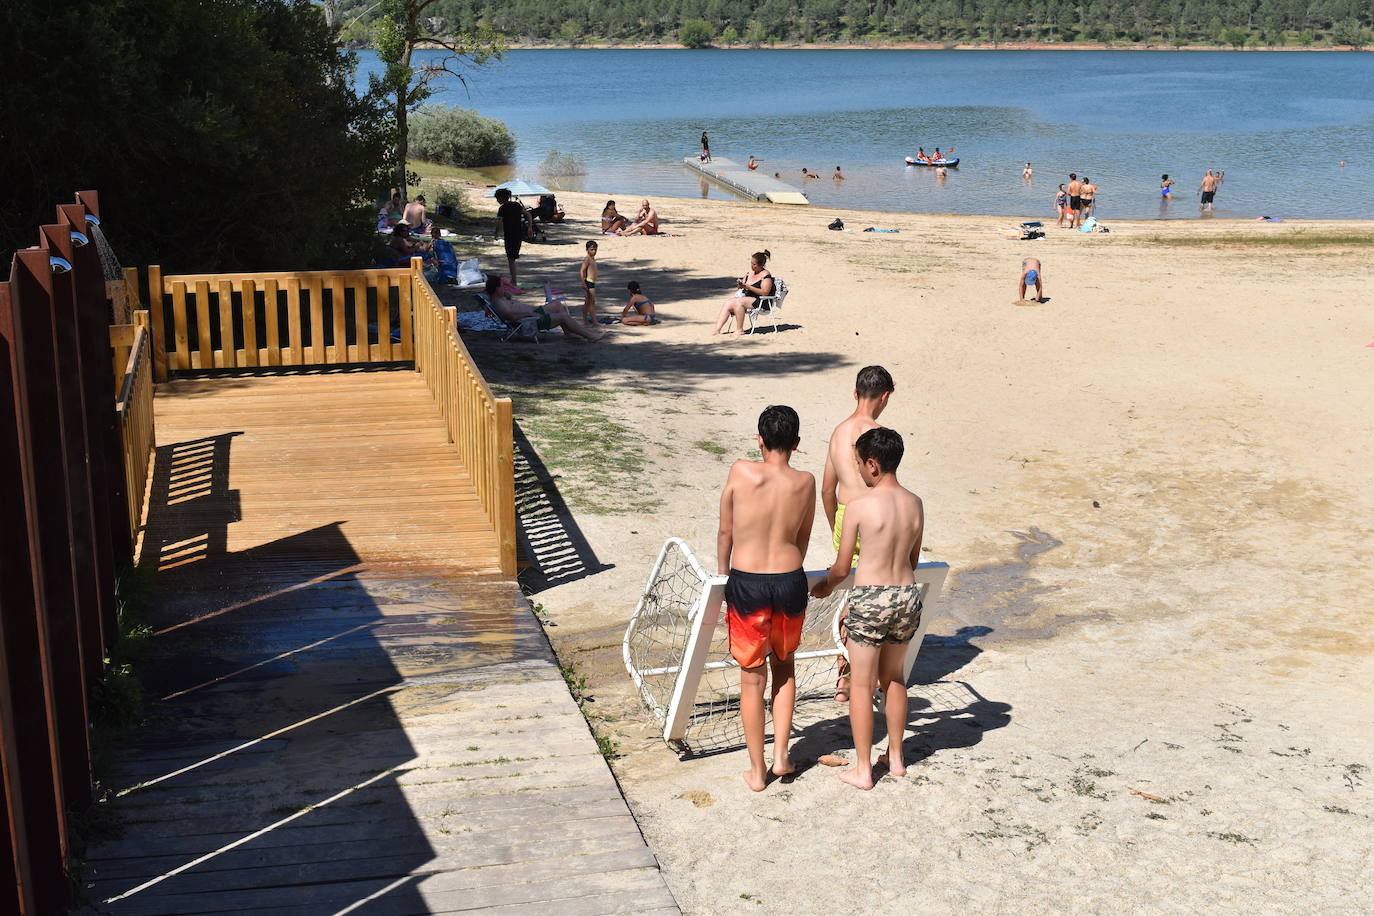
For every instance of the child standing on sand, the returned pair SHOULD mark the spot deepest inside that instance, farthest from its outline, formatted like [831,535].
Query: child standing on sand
[885,602]
[766,512]
[587,274]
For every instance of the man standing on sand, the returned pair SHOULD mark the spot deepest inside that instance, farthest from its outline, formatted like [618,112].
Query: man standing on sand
[1075,199]
[1031,276]
[510,224]
[885,602]
[842,481]
[766,513]
[1208,190]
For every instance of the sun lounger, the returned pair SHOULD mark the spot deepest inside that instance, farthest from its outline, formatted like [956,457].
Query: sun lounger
[769,305]
[525,327]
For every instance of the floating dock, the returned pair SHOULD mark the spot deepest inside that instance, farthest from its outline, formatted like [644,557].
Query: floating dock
[738,178]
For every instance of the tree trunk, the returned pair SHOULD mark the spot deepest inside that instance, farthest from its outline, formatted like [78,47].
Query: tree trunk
[402,115]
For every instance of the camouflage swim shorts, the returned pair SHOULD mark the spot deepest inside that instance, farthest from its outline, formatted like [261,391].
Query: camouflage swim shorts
[881,614]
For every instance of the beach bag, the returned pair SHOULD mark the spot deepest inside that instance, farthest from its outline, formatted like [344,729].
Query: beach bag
[837,225]
[470,273]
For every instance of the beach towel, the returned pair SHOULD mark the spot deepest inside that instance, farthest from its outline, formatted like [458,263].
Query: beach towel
[871,229]
[478,321]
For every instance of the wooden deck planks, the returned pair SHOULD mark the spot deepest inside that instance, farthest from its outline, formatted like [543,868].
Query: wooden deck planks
[348,707]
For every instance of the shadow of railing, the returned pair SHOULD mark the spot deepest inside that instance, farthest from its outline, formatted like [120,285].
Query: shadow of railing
[549,537]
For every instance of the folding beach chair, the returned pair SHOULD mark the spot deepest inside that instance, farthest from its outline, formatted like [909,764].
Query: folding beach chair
[769,305]
[525,327]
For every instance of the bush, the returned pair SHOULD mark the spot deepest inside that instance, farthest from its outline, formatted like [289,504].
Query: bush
[459,136]
[695,33]
[561,165]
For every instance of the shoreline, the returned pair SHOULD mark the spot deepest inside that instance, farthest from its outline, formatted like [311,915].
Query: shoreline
[472,185]
[898,46]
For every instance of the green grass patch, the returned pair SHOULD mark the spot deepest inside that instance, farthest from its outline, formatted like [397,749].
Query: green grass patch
[706,445]
[565,412]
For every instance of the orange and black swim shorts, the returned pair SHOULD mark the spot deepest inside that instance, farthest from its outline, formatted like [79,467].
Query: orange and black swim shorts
[765,612]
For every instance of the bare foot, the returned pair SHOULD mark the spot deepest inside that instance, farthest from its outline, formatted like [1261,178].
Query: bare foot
[896,769]
[784,767]
[754,781]
[856,779]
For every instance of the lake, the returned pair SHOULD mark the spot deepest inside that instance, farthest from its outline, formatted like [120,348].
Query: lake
[1278,123]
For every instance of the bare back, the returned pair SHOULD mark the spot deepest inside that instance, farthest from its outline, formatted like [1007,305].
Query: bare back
[766,514]
[890,520]
[840,459]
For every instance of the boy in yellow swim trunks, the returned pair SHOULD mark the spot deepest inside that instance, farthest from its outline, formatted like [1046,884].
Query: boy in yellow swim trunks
[843,481]
[885,602]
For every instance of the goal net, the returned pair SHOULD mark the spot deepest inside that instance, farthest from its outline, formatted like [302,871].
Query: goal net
[676,650]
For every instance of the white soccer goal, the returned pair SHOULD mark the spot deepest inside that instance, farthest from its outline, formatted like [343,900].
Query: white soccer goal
[676,647]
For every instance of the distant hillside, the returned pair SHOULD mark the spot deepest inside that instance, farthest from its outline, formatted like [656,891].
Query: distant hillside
[1236,23]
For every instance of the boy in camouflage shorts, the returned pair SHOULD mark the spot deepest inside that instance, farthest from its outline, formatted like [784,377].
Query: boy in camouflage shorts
[885,602]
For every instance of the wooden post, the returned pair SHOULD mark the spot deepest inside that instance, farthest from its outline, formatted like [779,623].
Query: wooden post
[45,470]
[35,815]
[159,329]
[504,510]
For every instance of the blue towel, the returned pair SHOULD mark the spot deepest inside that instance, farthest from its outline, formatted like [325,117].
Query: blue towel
[447,261]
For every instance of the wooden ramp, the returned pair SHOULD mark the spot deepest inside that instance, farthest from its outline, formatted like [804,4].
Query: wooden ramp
[349,711]
[738,178]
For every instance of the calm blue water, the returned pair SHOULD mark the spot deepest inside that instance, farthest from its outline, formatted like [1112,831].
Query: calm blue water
[1278,123]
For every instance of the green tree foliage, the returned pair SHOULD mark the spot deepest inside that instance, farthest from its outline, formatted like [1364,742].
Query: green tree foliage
[399,28]
[695,33]
[220,135]
[459,136]
[1119,21]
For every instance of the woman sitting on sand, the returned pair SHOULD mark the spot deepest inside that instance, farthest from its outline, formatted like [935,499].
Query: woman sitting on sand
[758,283]
[639,310]
[549,315]
[611,220]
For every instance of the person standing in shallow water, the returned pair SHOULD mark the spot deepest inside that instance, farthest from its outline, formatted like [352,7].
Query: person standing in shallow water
[705,147]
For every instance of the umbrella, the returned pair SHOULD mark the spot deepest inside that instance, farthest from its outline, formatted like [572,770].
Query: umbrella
[521,188]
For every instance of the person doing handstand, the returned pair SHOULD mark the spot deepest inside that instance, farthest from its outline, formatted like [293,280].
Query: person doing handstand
[549,315]
[1031,275]
[885,602]
[766,513]
[842,482]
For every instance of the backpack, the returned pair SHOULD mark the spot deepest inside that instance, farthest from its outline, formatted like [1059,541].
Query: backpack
[837,225]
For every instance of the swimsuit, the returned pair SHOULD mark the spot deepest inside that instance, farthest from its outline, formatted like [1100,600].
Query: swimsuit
[545,322]
[1207,196]
[1164,192]
[590,284]
[765,613]
[1075,202]
[883,614]
[839,530]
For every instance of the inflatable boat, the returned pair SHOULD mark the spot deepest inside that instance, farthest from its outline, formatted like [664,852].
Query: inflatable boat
[947,163]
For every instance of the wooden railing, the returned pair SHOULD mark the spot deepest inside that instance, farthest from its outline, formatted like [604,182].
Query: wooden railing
[134,387]
[301,318]
[479,424]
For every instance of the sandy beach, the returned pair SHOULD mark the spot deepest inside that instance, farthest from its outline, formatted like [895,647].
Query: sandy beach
[1147,685]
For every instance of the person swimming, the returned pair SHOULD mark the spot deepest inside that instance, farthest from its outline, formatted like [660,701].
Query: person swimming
[1166,185]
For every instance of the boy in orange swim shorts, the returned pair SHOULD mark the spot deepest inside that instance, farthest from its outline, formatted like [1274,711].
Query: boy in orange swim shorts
[766,513]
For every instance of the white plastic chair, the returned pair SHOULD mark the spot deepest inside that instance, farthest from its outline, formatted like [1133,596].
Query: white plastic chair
[769,305]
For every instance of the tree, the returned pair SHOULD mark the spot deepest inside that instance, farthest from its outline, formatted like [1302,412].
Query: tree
[194,121]
[729,36]
[695,33]
[755,34]
[400,27]
[1235,37]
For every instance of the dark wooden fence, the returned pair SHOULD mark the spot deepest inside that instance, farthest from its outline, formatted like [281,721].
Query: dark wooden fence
[64,535]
